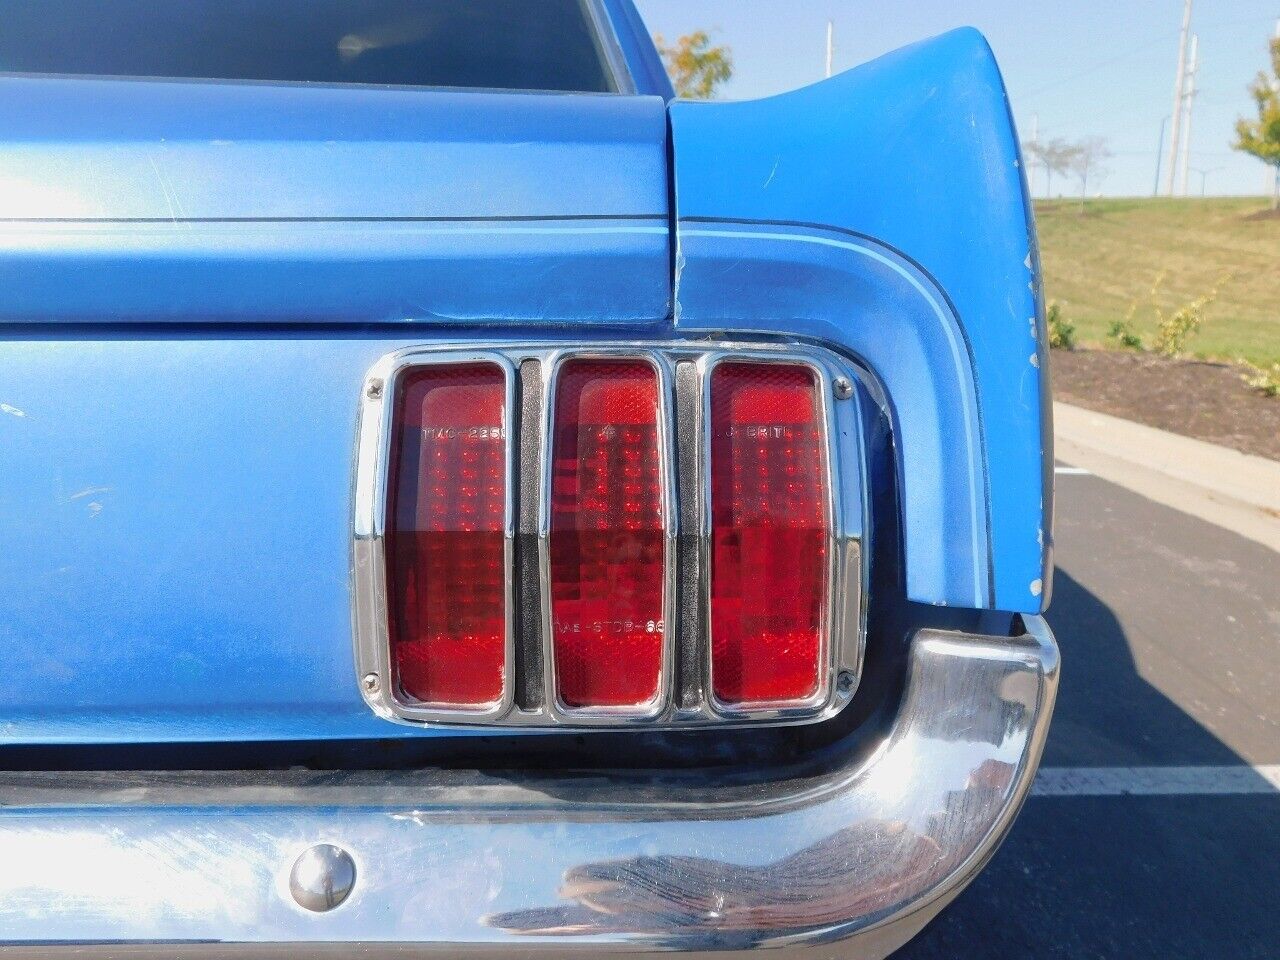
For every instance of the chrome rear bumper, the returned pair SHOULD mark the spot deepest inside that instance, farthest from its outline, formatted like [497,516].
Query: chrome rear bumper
[850,862]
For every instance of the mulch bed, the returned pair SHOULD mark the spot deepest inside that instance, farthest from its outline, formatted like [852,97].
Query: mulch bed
[1195,398]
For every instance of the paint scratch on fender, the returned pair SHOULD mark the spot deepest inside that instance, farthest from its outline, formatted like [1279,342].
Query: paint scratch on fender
[12,411]
[772,173]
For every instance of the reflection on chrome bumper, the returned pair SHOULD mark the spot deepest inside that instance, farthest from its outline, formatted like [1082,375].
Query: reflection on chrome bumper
[851,862]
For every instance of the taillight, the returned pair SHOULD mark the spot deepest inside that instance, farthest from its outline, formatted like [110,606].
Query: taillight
[770,531]
[446,557]
[607,549]
[553,535]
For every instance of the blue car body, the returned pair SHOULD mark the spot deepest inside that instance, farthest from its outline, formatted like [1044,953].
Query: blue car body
[196,277]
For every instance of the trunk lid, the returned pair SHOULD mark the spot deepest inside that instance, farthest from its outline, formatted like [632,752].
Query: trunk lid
[127,201]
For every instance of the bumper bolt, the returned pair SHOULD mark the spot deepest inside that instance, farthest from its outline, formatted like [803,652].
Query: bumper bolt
[322,877]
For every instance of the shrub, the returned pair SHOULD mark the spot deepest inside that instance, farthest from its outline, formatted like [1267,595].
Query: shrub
[1177,328]
[1122,333]
[1062,332]
[1173,330]
[1265,381]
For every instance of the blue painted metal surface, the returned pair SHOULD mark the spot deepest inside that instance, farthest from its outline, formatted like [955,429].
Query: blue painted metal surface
[176,520]
[176,507]
[174,202]
[885,210]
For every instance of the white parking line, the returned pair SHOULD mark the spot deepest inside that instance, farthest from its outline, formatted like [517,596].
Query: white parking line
[1072,472]
[1155,781]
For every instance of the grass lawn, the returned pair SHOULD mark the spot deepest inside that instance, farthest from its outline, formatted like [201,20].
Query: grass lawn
[1098,264]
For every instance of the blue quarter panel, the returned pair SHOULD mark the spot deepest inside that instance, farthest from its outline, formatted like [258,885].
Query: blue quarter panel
[885,210]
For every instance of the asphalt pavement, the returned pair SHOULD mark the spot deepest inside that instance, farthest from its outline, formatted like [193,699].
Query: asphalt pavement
[1169,629]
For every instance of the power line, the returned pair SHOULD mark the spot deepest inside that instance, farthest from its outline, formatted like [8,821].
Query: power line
[1093,68]
[1129,52]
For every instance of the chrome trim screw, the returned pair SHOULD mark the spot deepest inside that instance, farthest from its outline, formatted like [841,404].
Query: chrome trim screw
[843,388]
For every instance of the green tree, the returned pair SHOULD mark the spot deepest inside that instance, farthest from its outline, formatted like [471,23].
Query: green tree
[1261,137]
[696,67]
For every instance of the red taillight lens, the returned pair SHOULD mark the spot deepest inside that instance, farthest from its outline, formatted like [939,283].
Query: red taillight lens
[608,554]
[769,552]
[446,559]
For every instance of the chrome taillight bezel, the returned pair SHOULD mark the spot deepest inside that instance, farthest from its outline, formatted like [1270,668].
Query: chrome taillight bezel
[371,610]
[827,661]
[685,695]
[557,709]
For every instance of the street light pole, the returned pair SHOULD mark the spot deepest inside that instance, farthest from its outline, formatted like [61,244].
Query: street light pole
[1204,175]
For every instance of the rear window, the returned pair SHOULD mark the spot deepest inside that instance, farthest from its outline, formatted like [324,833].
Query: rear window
[507,44]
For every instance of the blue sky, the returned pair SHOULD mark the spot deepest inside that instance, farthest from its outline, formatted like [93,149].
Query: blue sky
[1086,68]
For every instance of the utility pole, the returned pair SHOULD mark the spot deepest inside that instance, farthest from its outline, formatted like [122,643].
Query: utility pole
[1175,139]
[1164,122]
[1189,106]
[831,44]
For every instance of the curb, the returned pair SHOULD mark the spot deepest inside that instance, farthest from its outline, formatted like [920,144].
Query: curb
[1234,490]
